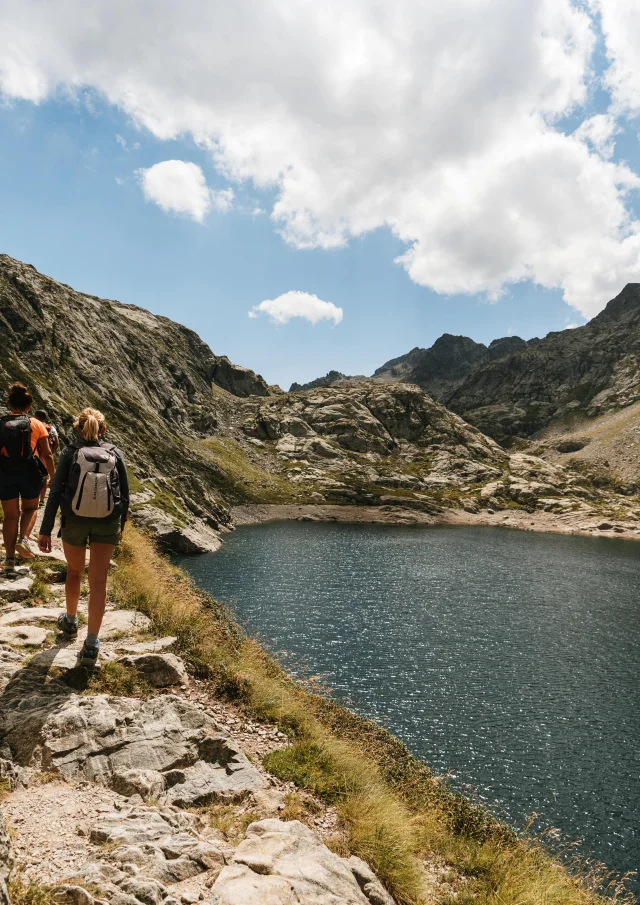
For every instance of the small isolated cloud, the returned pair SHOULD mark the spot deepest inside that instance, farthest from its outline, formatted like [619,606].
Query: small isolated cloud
[119,180]
[180,187]
[121,141]
[298,304]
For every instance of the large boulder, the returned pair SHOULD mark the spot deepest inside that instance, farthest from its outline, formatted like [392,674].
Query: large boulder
[282,863]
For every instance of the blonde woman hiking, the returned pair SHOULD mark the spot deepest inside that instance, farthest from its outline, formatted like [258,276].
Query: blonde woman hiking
[21,437]
[91,489]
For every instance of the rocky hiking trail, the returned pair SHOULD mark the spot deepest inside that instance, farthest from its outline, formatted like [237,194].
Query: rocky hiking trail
[152,797]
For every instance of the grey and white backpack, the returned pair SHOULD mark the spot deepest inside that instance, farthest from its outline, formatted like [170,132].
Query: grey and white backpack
[93,487]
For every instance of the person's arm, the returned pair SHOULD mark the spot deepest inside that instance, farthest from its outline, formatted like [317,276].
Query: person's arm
[44,451]
[124,487]
[55,494]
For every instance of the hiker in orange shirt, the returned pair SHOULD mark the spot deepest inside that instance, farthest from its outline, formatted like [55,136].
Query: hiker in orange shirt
[20,477]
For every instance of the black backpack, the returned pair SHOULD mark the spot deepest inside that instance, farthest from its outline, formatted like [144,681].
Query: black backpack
[15,440]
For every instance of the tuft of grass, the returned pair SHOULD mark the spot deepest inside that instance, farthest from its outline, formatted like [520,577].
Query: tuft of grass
[231,820]
[28,892]
[121,681]
[394,812]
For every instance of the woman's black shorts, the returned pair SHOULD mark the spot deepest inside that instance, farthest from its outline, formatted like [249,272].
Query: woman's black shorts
[25,482]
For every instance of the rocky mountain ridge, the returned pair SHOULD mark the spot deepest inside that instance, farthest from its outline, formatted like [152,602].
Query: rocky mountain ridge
[514,388]
[203,435]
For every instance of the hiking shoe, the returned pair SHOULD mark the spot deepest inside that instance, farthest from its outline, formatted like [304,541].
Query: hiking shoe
[68,628]
[25,549]
[89,655]
[9,567]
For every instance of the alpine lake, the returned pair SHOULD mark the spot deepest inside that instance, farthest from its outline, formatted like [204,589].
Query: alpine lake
[506,659]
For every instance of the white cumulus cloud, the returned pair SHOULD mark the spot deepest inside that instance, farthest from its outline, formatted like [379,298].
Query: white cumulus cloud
[177,186]
[298,304]
[180,187]
[438,121]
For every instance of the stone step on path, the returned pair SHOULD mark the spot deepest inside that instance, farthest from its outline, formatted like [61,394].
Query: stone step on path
[13,590]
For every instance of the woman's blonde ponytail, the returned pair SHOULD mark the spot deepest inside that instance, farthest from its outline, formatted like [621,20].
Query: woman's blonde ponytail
[90,423]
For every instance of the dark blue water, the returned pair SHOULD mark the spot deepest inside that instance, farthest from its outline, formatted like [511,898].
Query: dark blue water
[510,659]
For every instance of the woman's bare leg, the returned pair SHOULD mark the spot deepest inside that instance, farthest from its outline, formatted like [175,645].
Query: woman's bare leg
[75,557]
[11,511]
[28,516]
[99,559]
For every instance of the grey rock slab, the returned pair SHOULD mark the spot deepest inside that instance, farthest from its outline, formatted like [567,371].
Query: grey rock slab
[13,590]
[280,863]
[10,662]
[30,615]
[155,847]
[95,738]
[205,782]
[6,850]
[23,635]
[160,670]
[146,783]
[119,622]
[368,882]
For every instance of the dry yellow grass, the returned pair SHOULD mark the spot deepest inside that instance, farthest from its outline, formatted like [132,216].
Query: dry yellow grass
[395,813]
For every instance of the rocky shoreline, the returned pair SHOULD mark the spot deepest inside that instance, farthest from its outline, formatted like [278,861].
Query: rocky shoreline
[545,522]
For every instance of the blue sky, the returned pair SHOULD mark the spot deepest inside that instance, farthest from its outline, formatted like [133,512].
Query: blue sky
[73,206]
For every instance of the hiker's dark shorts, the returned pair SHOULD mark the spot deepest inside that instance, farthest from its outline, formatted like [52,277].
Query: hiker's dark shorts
[90,531]
[26,483]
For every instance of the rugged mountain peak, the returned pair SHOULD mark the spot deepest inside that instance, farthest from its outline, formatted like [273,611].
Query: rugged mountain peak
[625,304]
[572,374]
[329,378]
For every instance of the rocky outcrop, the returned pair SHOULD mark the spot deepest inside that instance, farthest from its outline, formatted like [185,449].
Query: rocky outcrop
[174,536]
[140,851]
[236,380]
[165,747]
[159,670]
[280,863]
